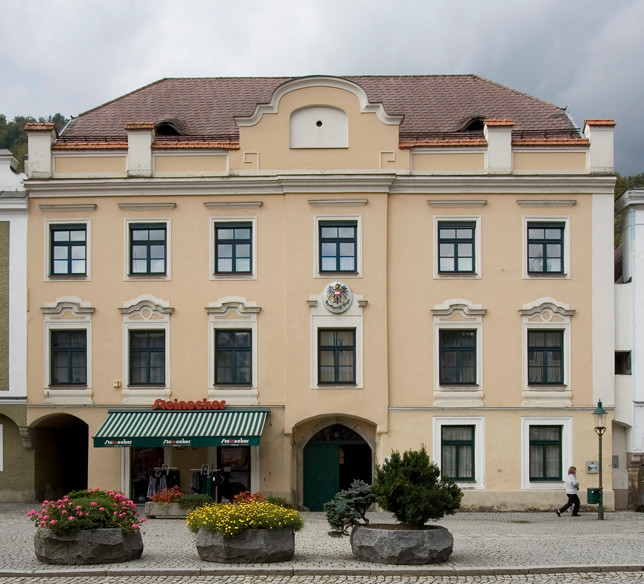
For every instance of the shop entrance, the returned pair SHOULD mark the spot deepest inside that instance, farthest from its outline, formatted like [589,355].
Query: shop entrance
[333,459]
[60,456]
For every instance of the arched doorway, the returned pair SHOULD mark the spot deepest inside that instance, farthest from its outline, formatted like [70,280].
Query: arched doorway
[333,458]
[60,456]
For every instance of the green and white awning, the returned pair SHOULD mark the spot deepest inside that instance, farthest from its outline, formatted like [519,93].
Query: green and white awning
[145,428]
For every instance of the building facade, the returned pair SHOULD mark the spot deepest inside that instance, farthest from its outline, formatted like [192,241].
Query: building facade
[270,284]
[629,348]
[16,454]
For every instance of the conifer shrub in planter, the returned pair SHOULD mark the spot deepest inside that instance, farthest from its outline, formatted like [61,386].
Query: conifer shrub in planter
[88,527]
[248,530]
[410,487]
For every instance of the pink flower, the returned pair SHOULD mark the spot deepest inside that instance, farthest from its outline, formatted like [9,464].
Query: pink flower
[102,508]
[42,524]
[70,518]
[52,522]
[93,503]
[135,526]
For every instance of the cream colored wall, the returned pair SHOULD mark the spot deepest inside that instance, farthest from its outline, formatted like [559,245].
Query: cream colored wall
[192,164]
[557,160]
[448,161]
[368,138]
[89,165]
[502,290]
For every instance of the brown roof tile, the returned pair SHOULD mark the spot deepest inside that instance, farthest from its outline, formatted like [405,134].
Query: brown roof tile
[208,106]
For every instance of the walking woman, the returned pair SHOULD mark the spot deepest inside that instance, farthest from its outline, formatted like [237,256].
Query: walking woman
[572,487]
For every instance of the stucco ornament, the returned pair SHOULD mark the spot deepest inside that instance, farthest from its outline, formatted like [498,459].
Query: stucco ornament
[337,297]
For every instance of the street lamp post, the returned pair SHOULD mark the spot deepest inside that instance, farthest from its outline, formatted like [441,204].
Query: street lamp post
[600,427]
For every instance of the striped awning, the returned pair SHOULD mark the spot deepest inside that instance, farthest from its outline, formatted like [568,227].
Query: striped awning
[145,428]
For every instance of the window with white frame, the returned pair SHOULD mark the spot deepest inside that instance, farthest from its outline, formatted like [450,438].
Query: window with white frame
[546,344]
[458,450]
[146,349]
[336,344]
[233,338]
[546,247]
[233,248]
[458,352]
[338,245]
[67,249]
[546,447]
[457,246]
[68,350]
[147,249]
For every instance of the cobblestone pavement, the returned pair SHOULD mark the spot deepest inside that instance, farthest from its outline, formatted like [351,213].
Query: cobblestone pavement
[488,547]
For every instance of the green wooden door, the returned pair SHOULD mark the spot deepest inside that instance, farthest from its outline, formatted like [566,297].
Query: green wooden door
[321,474]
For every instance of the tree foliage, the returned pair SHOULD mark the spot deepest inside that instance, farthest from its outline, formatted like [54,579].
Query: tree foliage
[410,487]
[349,507]
[14,137]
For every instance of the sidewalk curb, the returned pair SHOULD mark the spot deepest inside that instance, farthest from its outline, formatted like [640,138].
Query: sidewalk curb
[242,570]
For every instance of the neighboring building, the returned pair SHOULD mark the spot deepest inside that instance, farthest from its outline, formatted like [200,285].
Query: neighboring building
[629,349]
[16,455]
[354,265]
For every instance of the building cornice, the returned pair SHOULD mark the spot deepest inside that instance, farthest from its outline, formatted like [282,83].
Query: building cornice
[327,183]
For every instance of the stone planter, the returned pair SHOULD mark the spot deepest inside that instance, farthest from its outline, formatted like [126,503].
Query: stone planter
[165,510]
[91,546]
[248,547]
[396,544]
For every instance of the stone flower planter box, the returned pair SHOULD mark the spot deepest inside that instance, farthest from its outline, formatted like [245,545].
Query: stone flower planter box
[165,510]
[91,546]
[248,547]
[398,544]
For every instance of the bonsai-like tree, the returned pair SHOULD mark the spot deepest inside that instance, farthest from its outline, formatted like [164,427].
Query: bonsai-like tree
[349,507]
[410,487]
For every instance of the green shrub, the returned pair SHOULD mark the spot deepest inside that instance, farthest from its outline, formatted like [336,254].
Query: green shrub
[91,509]
[280,501]
[349,508]
[410,487]
[194,500]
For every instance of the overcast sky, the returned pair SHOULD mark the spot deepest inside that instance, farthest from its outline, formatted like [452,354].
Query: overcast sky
[68,56]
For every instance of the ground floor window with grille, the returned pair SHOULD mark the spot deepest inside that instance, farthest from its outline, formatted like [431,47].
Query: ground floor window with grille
[337,356]
[457,453]
[545,453]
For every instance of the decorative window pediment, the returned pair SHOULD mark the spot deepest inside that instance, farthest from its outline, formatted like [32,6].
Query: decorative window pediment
[546,310]
[146,307]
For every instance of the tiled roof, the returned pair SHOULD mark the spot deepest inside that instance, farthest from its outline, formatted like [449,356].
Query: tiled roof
[430,104]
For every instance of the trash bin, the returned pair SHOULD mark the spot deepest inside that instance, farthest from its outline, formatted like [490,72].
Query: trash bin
[594,495]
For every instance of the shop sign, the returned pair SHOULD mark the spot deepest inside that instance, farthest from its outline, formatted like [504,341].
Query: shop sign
[235,441]
[202,404]
[178,442]
[122,442]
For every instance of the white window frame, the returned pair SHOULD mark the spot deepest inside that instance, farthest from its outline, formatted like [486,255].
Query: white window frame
[126,249]
[566,250]
[219,319]
[352,318]
[316,250]
[213,252]
[478,256]
[479,450]
[547,314]
[47,276]
[467,316]
[145,312]
[67,313]
[566,450]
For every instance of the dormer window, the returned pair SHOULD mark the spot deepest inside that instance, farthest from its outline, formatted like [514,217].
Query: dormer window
[474,125]
[167,129]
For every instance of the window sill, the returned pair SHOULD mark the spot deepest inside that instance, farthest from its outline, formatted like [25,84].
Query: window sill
[67,278]
[336,386]
[338,275]
[68,395]
[136,277]
[457,276]
[239,396]
[458,396]
[234,276]
[546,276]
[547,396]
[144,395]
